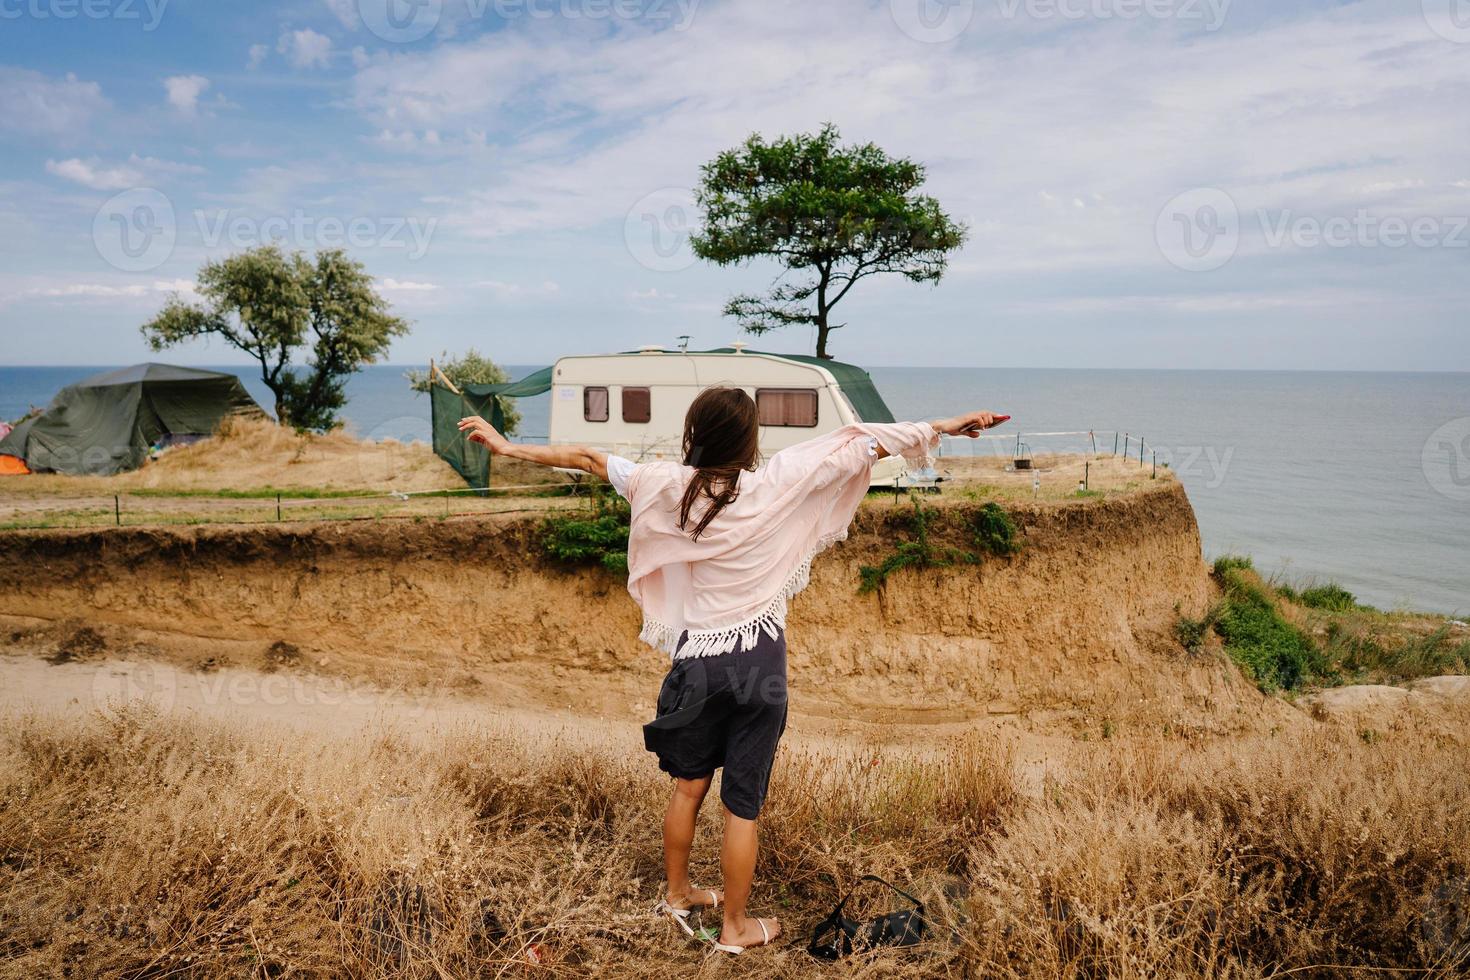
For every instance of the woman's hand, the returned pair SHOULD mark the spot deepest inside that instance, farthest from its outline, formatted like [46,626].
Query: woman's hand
[969,424]
[478,430]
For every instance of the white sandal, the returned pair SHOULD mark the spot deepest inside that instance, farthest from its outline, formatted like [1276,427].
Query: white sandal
[737,950]
[681,916]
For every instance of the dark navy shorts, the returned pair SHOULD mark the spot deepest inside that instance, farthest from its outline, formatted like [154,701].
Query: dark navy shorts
[726,711]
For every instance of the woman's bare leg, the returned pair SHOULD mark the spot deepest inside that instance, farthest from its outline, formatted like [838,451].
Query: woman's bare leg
[679,822]
[737,863]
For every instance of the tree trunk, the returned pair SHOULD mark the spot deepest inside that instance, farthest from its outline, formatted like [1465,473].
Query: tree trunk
[822,327]
[280,392]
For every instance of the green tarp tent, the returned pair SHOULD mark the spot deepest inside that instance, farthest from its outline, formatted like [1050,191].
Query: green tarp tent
[109,422]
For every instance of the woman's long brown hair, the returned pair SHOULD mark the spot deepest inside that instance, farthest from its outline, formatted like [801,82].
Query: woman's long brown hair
[721,438]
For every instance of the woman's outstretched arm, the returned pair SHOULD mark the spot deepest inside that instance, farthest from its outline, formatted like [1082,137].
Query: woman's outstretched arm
[970,424]
[582,458]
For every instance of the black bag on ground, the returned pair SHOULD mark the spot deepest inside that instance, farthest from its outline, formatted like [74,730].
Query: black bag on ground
[836,936]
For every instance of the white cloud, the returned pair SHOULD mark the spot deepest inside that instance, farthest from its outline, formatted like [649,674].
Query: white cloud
[407,286]
[1391,186]
[184,92]
[30,101]
[92,290]
[514,290]
[173,286]
[305,48]
[1293,112]
[91,173]
[258,54]
[135,172]
[652,294]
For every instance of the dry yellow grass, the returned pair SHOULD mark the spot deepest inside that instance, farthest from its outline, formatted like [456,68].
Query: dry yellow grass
[133,845]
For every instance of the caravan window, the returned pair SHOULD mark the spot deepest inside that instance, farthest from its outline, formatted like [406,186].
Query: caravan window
[787,406]
[637,405]
[594,404]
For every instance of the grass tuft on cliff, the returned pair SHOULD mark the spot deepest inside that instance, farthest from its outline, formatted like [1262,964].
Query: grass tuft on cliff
[1286,638]
[991,529]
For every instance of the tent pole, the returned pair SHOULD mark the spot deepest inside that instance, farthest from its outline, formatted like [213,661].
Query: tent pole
[435,371]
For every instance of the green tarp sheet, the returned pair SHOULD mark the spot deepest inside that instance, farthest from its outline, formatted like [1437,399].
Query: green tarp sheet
[471,460]
[108,423]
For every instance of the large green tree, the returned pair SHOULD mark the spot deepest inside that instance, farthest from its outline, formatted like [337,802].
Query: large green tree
[278,308]
[830,214]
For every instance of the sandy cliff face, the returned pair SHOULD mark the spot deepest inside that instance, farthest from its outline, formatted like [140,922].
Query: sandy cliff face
[1078,623]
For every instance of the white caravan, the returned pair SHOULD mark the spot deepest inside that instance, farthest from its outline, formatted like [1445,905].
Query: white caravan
[633,404]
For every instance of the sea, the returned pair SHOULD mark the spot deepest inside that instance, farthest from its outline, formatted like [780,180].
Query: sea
[1357,478]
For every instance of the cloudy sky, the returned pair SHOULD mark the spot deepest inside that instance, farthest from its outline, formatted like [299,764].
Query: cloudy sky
[1148,183]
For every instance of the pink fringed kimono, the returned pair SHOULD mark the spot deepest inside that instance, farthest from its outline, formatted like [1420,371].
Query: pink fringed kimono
[756,554]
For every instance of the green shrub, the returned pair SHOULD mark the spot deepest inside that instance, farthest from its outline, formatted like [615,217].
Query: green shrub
[1272,651]
[918,553]
[995,532]
[1331,597]
[597,539]
[1226,563]
[1191,633]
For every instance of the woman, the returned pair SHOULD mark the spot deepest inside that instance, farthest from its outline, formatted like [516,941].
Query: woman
[717,546]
